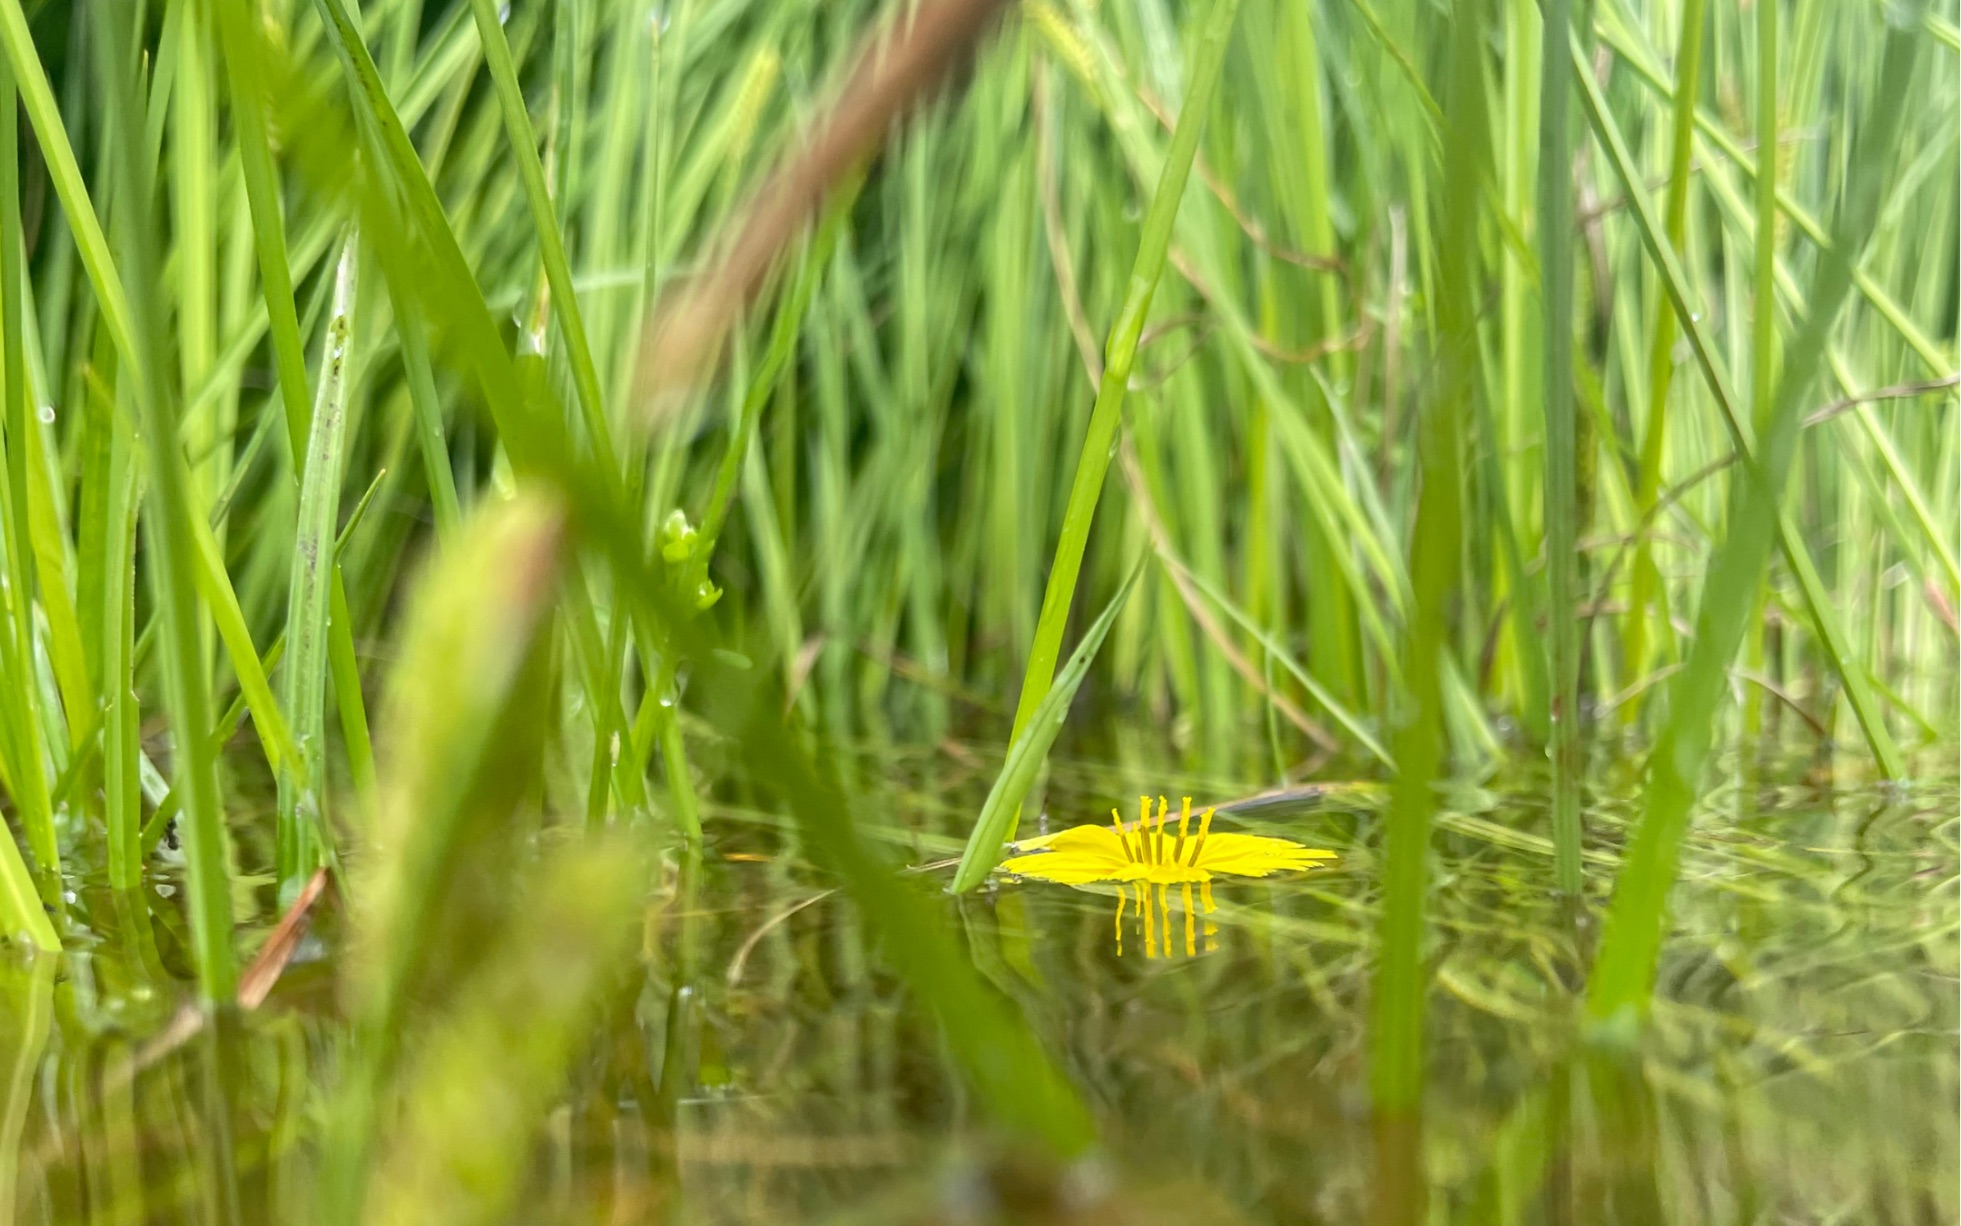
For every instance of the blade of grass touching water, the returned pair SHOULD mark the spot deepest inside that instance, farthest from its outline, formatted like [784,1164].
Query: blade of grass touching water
[1099,443]
[1624,973]
[995,825]
[304,833]
[174,522]
[1562,458]
[1396,1057]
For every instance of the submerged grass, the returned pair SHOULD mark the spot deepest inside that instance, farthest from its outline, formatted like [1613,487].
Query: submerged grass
[1394,387]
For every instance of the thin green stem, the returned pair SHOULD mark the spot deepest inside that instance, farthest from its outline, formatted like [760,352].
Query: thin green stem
[1562,455]
[1646,587]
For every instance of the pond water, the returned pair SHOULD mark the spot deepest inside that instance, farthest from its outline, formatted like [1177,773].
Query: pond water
[763,1066]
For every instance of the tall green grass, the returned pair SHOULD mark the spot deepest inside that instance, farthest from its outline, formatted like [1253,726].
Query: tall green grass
[1452,448]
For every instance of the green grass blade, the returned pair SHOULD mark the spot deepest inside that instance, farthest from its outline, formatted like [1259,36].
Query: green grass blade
[1562,444]
[26,735]
[551,244]
[304,835]
[122,734]
[268,217]
[1093,462]
[1396,1048]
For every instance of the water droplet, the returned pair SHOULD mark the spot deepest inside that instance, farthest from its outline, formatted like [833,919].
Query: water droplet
[46,414]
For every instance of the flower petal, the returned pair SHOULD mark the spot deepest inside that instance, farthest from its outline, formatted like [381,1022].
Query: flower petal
[1075,856]
[1257,855]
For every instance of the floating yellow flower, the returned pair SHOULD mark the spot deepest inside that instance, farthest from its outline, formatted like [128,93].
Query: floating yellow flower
[1153,858]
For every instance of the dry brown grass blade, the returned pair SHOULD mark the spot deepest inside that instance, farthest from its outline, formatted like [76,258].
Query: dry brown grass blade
[898,67]
[270,962]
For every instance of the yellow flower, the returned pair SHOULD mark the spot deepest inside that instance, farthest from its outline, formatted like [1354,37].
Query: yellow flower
[1154,858]
[1149,853]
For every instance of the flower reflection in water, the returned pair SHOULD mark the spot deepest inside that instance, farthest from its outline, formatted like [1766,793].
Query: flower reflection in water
[1152,858]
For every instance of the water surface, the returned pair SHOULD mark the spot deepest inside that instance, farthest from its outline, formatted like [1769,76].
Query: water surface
[760,1064]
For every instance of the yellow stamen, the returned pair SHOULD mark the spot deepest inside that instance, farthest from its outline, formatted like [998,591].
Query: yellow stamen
[1150,919]
[1204,828]
[1157,843]
[1121,840]
[1184,821]
[1144,828]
